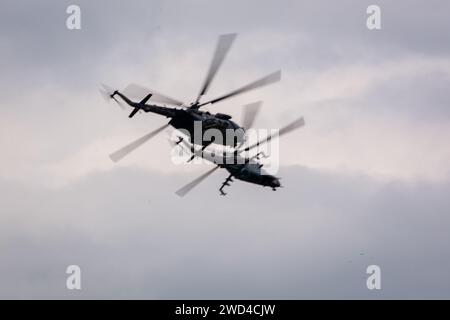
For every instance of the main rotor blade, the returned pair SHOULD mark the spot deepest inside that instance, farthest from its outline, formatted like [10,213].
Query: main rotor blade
[104,94]
[290,127]
[108,89]
[121,105]
[223,46]
[191,185]
[271,78]
[250,112]
[119,154]
[139,92]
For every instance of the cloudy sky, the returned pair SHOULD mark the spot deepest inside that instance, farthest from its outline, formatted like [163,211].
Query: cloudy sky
[366,180]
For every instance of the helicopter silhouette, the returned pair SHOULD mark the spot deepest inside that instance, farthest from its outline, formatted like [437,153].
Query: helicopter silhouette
[185,117]
[244,168]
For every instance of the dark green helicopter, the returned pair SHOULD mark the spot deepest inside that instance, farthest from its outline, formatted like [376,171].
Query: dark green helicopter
[245,168]
[186,116]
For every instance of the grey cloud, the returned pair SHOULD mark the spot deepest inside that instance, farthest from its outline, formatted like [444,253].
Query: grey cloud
[134,238]
[398,96]
[36,37]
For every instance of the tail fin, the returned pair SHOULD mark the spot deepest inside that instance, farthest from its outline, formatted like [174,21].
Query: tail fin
[143,101]
[135,110]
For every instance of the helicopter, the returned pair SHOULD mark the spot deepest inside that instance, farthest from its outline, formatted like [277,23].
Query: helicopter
[246,168]
[185,116]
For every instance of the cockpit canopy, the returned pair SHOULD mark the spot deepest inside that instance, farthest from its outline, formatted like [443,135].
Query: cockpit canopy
[223,116]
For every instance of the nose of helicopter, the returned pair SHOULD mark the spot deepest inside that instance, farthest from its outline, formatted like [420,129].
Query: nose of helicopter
[271,181]
[276,183]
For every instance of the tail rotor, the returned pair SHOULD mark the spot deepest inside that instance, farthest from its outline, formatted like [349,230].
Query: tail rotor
[109,93]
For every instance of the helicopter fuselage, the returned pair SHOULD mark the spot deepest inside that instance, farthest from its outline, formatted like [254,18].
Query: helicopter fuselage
[201,127]
[252,173]
[239,168]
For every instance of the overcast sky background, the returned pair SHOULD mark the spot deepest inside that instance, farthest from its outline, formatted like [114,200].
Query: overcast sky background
[366,180]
